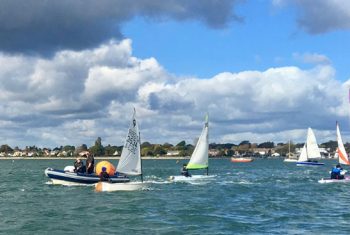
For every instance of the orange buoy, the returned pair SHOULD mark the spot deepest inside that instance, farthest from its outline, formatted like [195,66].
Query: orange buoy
[110,169]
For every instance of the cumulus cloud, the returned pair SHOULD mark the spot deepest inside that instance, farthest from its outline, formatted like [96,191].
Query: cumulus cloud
[40,26]
[321,16]
[74,97]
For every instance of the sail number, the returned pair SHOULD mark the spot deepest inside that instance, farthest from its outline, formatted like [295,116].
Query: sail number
[132,141]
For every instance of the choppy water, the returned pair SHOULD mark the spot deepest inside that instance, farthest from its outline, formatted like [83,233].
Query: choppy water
[262,197]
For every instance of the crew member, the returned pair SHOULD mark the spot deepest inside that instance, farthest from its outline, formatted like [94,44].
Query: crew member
[79,166]
[90,161]
[184,171]
[337,172]
[104,176]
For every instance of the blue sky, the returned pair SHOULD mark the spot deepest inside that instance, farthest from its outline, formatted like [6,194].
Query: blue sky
[267,37]
[72,71]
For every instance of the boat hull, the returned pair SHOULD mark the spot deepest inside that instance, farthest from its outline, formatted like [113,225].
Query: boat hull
[111,187]
[329,180]
[290,160]
[241,159]
[182,178]
[72,178]
[310,163]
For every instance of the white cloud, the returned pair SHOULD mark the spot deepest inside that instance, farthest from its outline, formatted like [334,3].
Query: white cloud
[75,97]
[312,58]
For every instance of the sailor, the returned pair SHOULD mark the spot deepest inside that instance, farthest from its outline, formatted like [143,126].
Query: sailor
[79,166]
[104,176]
[90,164]
[337,172]
[184,171]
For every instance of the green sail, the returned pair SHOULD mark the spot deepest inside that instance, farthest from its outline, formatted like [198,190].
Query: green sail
[196,166]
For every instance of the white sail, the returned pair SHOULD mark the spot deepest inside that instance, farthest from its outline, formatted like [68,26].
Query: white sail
[310,149]
[311,145]
[130,159]
[342,155]
[303,155]
[199,158]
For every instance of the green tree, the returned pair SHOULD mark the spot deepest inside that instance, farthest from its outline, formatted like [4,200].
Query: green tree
[68,148]
[159,150]
[5,149]
[110,150]
[267,145]
[181,144]
[98,148]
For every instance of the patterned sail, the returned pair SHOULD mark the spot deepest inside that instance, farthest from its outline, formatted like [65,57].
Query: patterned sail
[199,158]
[343,156]
[130,159]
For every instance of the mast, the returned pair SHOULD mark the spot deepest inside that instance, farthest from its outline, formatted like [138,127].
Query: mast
[289,150]
[140,158]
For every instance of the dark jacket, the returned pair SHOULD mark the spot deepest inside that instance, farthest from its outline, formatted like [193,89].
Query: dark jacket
[79,167]
[104,176]
[90,164]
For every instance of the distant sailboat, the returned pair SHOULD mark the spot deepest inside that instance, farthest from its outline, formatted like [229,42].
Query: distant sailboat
[310,151]
[290,158]
[129,163]
[199,157]
[342,159]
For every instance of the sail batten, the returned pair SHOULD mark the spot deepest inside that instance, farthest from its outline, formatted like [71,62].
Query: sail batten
[199,157]
[130,159]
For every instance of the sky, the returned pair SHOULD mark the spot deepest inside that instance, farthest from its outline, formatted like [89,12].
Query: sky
[264,70]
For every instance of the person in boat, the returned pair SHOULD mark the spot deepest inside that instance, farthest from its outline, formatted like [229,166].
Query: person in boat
[90,161]
[104,176]
[79,166]
[184,171]
[337,172]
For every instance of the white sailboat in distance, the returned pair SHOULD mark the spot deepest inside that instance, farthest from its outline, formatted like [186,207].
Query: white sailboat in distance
[290,158]
[310,151]
[130,162]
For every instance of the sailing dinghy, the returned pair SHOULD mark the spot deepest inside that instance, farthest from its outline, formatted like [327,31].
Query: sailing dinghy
[199,157]
[129,163]
[310,151]
[342,159]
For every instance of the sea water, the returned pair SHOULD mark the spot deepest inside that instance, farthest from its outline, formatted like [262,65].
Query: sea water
[261,197]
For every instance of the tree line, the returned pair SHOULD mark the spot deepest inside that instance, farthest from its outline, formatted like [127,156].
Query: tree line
[182,148]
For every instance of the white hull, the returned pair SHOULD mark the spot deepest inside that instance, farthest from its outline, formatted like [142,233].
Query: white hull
[111,187]
[181,178]
[290,160]
[328,180]
[67,183]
